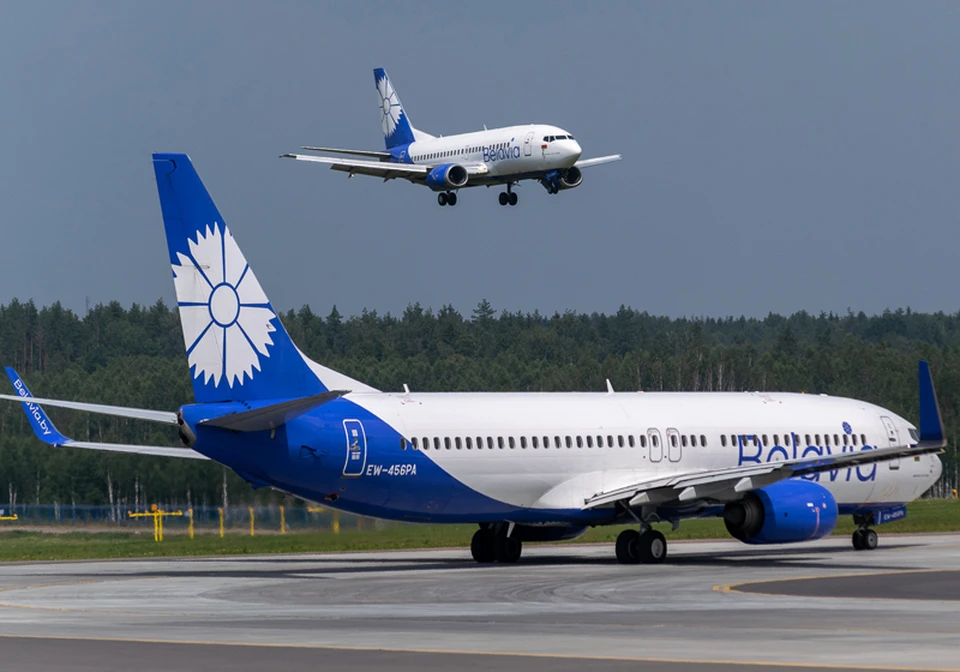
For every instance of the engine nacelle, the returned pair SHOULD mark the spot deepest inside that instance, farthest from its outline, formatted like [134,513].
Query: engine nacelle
[570,178]
[447,176]
[782,513]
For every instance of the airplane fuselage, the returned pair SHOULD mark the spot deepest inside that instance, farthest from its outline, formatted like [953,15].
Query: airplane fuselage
[497,155]
[535,458]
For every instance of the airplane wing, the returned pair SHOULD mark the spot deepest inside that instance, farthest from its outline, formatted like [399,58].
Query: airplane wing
[47,432]
[587,163]
[386,170]
[383,156]
[726,484]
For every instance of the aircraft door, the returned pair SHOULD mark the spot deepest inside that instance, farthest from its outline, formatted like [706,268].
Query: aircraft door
[674,447]
[893,439]
[356,444]
[656,445]
[528,144]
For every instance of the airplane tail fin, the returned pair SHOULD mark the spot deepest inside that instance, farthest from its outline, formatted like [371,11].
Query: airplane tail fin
[236,346]
[397,129]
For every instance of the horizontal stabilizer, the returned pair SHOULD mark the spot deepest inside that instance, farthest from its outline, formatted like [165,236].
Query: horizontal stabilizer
[270,417]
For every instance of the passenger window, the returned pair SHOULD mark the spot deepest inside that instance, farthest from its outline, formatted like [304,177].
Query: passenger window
[620,441]
[436,443]
[567,441]
[836,440]
[446,442]
[599,442]
[733,439]
[630,441]
[817,437]
[523,442]
[500,442]
[673,440]
[610,441]
[845,438]
[546,442]
[683,440]
[459,443]
[643,440]
[826,439]
[579,442]
[703,441]
[512,442]
[723,440]
[693,440]
[807,437]
[863,439]
[776,439]
[765,442]
[403,444]
[854,436]
[589,441]
[656,441]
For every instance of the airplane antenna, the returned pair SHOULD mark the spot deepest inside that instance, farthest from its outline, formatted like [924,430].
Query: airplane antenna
[609,387]
[406,389]
[484,127]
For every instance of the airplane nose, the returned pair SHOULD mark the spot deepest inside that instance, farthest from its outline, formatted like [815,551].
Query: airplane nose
[575,150]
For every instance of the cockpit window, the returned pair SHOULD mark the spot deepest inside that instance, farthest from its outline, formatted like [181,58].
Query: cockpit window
[561,137]
[570,137]
[914,435]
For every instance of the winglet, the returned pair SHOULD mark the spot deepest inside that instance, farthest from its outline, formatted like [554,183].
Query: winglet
[931,423]
[43,426]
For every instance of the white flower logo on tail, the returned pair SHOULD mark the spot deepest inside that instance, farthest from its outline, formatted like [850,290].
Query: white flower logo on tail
[389,107]
[225,314]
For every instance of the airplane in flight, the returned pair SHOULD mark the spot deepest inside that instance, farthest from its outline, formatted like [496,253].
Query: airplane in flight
[446,164]
[776,467]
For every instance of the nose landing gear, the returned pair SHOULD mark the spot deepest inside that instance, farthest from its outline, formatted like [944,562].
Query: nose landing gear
[447,198]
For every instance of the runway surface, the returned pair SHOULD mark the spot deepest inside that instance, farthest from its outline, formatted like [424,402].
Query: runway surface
[712,606]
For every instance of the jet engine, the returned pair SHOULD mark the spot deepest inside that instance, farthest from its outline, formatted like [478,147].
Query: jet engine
[785,512]
[447,176]
[570,178]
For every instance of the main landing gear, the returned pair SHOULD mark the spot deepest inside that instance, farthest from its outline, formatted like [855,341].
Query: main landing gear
[495,544]
[447,198]
[865,538]
[508,197]
[648,547]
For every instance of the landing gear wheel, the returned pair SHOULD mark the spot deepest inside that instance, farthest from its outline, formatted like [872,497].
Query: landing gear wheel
[512,198]
[482,546]
[652,548]
[858,540]
[451,198]
[869,539]
[442,198]
[508,549]
[627,547]
[504,198]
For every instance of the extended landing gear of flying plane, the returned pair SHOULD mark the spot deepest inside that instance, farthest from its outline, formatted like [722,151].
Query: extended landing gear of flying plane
[494,544]
[649,547]
[508,196]
[447,198]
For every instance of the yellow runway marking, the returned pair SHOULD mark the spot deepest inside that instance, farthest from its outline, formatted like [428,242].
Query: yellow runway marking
[498,654]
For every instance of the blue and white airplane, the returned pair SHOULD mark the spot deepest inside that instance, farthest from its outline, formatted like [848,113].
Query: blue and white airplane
[499,156]
[777,467]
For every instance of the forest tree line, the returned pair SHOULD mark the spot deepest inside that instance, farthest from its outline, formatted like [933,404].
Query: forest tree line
[135,357]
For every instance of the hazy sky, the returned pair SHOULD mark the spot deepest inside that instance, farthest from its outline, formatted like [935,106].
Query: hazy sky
[777,156]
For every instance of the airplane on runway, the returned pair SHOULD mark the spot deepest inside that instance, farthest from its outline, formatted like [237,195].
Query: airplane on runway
[499,156]
[776,467]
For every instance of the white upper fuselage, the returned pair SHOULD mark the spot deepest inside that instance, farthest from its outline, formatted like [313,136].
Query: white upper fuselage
[499,152]
[553,451]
